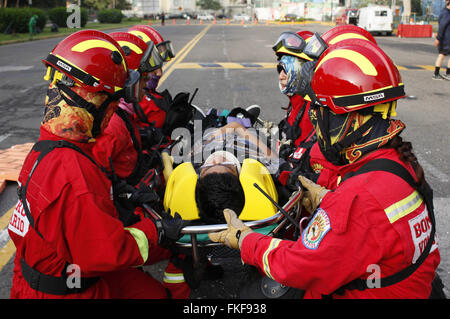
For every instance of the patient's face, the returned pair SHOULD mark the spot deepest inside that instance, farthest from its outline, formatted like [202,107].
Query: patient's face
[219,168]
[218,164]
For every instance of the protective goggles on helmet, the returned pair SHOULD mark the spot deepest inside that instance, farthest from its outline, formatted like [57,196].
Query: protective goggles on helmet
[315,47]
[166,50]
[290,41]
[132,87]
[151,59]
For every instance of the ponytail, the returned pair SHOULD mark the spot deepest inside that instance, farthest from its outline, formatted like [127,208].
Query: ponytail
[405,151]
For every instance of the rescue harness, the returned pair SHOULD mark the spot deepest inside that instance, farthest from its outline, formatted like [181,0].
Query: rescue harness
[390,166]
[37,280]
[58,285]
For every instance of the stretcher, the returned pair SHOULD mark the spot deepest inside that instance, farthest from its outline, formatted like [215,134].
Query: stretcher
[259,212]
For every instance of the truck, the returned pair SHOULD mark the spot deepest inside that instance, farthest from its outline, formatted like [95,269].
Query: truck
[376,19]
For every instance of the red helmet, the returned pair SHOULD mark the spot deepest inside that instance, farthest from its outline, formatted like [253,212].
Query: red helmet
[305,34]
[344,32]
[139,55]
[147,34]
[354,74]
[92,59]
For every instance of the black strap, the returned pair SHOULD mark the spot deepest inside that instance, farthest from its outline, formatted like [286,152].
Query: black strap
[134,177]
[99,112]
[54,285]
[332,152]
[425,191]
[72,70]
[37,280]
[294,131]
[372,97]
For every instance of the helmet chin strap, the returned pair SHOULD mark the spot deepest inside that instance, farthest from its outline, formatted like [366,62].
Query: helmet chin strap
[332,152]
[97,113]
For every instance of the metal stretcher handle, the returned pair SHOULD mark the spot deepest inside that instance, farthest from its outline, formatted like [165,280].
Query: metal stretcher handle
[204,229]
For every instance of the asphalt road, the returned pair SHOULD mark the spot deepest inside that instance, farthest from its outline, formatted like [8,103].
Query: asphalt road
[232,65]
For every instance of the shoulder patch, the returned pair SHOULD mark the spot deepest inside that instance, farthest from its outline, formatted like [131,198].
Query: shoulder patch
[317,228]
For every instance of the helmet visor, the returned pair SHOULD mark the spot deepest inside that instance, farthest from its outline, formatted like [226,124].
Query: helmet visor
[151,59]
[291,41]
[315,47]
[166,50]
[132,88]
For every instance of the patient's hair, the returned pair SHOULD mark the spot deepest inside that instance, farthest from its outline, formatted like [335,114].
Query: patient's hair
[215,192]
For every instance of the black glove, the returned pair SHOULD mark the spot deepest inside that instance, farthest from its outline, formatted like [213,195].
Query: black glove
[169,228]
[143,195]
[179,114]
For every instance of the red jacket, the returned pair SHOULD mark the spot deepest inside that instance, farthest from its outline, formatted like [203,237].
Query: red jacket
[305,124]
[151,110]
[371,223]
[328,173]
[116,142]
[71,202]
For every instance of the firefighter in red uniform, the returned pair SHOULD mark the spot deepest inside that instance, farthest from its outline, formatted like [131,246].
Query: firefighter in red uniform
[69,239]
[296,126]
[374,235]
[121,141]
[154,104]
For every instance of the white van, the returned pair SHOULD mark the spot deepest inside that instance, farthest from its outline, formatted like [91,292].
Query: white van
[376,19]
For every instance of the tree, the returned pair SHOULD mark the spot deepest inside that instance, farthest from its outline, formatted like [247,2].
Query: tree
[209,4]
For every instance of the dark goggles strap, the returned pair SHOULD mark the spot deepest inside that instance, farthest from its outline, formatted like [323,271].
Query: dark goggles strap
[371,97]
[72,70]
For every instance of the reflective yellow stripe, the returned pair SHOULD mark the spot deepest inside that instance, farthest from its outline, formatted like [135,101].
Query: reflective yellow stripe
[133,47]
[273,244]
[349,35]
[141,241]
[357,58]
[90,44]
[173,278]
[300,55]
[142,35]
[403,207]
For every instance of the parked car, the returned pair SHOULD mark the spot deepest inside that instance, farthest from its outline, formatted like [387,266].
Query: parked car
[241,16]
[205,16]
[175,16]
[188,14]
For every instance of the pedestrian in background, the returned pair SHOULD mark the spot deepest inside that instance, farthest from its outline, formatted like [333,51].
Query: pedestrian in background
[32,25]
[443,43]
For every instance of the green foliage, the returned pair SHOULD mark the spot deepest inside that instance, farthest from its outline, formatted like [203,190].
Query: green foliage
[59,16]
[209,4]
[18,18]
[109,16]
[96,4]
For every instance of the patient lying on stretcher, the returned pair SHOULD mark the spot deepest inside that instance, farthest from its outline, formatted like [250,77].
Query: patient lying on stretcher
[237,159]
